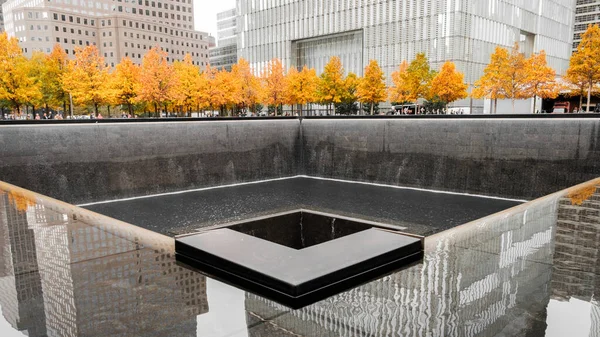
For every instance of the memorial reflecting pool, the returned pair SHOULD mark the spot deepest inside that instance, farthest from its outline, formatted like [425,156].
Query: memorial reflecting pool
[531,270]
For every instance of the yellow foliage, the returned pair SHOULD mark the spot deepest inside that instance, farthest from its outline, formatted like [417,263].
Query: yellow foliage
[418,78]
[331,85]
[578,196]
[584,66]
[449,84]
[156,78]
[16,83]
[87,77]
[249,87]
[492,84]
[371,87]
[301,86]
[185,91]
[399,91]
[540,79]
[125,83]
[274,82]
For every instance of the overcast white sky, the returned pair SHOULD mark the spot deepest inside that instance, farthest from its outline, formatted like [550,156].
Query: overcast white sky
[205,14]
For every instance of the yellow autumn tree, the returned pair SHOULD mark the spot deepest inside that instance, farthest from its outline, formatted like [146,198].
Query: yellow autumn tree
[515,75]
[203,84]
[449,85]
[418,78]
[221,89]
[576,85]
[301,86]
[86,78]
[540,79]
[156,78]
[125,83]
[16,83]
[371,87]
[184,91]
[492,84]
[585,62]
[250,88]
[398,92]
[331,86]
[36,68]
[274,83]
[56,64]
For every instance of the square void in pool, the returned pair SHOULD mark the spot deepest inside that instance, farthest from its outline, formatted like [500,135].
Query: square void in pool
[299,257]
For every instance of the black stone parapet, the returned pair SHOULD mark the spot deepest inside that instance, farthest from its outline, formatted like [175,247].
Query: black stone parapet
[298,276]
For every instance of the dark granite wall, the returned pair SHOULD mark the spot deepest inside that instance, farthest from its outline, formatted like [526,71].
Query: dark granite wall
[519,158]
[509,157]
[81,163]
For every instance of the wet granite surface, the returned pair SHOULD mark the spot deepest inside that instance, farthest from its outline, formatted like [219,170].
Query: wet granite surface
[522,158]
[417,212]
[528,271]
[90,162]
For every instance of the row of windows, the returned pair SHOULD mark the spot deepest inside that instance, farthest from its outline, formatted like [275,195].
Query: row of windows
[586,9]
[134,10]
[156,39]
[77,19]
[587,18]
[139,57]
[72,30]
[159,29]
[81,42]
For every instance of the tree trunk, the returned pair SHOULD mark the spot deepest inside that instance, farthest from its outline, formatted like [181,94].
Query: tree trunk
[534,102]
[96,109]
[108,109]
[495,105]
[589,94]
[372,108]
[130,109]
[300,110]
[156,110]
[65,109]
[513,105]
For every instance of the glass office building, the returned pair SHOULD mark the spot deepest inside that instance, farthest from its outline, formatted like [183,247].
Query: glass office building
[464,31]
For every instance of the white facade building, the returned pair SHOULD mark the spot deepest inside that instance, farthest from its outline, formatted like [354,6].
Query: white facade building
[120,28]
[224,55]
[389,31]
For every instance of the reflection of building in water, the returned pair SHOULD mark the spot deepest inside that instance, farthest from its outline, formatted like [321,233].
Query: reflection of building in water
[24,309]
[86,281]
[479,291]
[576,268]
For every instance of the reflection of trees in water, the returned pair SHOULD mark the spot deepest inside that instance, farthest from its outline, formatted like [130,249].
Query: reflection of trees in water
[63,277]
[473,281]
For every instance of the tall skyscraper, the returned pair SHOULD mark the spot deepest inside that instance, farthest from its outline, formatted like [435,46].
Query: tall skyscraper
[463,31]
[587,12]
[119,29]
[225,54]
[1,16]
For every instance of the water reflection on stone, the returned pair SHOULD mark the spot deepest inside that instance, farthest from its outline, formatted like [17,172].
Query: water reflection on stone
[495,276]
[533,270]
[63,277]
